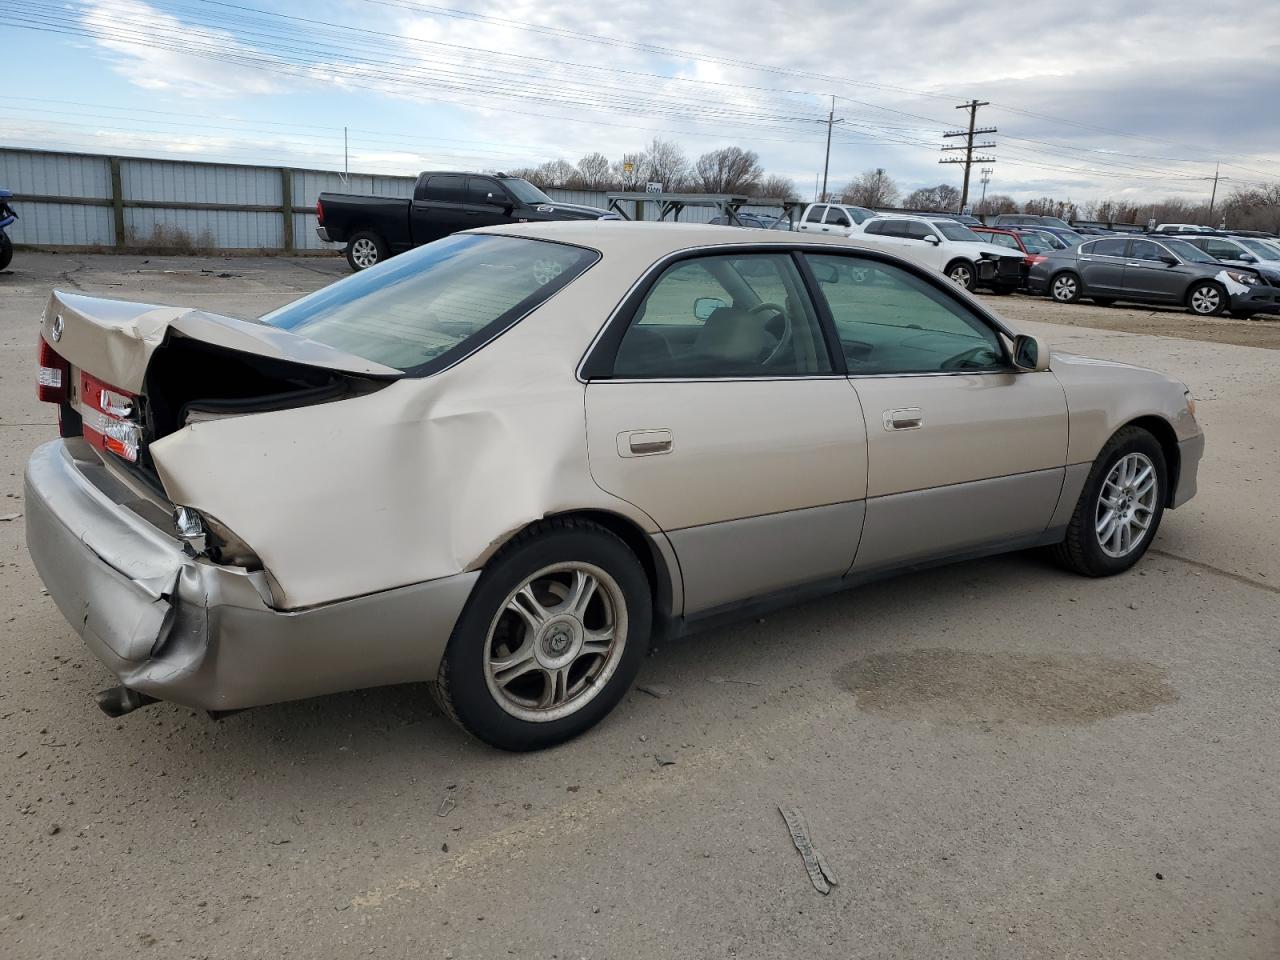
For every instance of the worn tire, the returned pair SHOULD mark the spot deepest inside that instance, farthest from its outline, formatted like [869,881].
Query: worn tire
[1207,299]
[963,274]
[1081,550]
[461,686]
[361,245]
[1065,287]
[6,250]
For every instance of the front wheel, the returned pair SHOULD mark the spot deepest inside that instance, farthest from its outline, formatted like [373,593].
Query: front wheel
[961,274]
[1207,300]
[551,638]
[1120,508]
[365,249]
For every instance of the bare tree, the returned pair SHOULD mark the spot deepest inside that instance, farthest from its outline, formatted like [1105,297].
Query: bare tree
[555,173]
[943,198]
[874,188]
[593,171]
[628,180]
[729,170]
[665,163]
[776,187]
[999,203]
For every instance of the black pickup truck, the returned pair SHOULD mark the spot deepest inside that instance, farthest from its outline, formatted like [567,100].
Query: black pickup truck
[444,202]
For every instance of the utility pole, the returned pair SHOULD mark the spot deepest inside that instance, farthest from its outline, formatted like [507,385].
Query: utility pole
[1213,197]
[969,146]
[346,159]
[831,121]
[986,178]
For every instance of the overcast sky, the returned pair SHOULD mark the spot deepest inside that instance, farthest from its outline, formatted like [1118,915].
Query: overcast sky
[1092,99]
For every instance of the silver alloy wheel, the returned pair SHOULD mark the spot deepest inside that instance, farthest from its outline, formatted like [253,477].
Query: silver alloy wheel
[1064,288]
[961,276]
[364,252]
[1205,300]
[1126,505]
[555,642]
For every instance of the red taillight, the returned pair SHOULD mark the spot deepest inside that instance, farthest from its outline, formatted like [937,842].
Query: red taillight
[1034,258]
[54,375]
[319,214]
[108,418]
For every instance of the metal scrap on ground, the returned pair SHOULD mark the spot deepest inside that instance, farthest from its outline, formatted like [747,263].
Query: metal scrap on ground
[747,683]
[819,873]
[653,689]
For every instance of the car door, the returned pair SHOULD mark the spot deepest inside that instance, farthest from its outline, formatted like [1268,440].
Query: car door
[1101,265]
[964,453]
[836,221]
[1149,277]
[713,405]
[927,245]
[487,203]
[812,222]
[441,210]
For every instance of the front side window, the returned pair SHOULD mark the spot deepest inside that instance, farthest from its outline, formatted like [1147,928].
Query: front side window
[481,190]
[890,321]
[725,316]
[1145,250]
[1260,250]
[1000,240]
[838,218]
[422,310]
[918,231]
[1222,250]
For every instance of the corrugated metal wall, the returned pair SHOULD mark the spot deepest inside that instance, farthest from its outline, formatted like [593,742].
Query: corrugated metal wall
[66,199]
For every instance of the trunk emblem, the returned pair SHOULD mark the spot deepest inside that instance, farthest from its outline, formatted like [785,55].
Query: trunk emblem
[55,330]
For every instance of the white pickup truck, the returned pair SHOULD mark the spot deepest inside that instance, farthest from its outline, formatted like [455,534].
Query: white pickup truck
[949,247]
[837,218]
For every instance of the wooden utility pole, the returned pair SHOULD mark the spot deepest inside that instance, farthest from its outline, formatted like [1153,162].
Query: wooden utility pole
[969,146]
[826,164]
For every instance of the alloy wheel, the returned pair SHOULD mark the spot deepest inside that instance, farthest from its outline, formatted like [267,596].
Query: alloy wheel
[1126,505]
[364,252]
[555,642]
[1206,300]
[962,277]
[1064,289]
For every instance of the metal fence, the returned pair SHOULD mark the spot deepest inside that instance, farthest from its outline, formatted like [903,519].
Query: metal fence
[90,200]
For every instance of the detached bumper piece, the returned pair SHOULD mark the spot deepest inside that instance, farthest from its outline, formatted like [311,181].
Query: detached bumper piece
[175,627]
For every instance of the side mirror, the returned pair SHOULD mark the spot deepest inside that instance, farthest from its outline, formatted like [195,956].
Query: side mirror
[931,239]
[825,272]
[1030,354]
[704,307]
[1169,258]
[1248,258]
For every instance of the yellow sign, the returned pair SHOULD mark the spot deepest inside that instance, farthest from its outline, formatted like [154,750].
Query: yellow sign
[628,167]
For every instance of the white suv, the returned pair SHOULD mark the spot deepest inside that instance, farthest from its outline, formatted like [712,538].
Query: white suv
[949,247]
[837,218]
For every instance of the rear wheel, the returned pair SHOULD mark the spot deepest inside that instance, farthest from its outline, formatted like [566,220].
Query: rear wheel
[1065,287]
[551,638]
[6,250]
[961,274]
[365,249]
[1120,508]
[1207,299]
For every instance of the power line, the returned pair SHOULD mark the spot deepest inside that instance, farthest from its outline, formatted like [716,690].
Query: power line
[969,146]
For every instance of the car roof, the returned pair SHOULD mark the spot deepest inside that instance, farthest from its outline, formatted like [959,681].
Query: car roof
[651,240]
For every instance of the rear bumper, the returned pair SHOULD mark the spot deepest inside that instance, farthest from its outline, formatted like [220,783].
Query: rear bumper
[1190,451]
[323,234]
[184,629]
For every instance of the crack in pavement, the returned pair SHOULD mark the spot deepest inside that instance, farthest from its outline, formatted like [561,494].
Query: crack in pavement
[1238,577]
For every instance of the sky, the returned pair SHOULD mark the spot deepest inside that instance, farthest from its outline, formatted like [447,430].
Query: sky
[1091,100]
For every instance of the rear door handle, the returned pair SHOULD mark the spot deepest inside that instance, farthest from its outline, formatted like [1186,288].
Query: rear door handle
[904,418]
[644,443]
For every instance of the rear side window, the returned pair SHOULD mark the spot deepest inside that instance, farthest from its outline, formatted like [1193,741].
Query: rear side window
[446,187]
[1001,240]
[815,214]
[426,309]
[1111,247]
[875,226]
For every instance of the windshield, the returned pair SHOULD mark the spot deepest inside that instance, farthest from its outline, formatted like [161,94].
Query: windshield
[423,310]
[957,231]
[526,192]
[1260,249]
[1187,251]
[1054,241]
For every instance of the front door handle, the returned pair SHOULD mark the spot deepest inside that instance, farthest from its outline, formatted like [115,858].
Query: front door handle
[904,418]
[644,443]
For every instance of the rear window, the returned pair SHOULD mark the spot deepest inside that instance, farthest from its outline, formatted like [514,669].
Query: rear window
[426,309]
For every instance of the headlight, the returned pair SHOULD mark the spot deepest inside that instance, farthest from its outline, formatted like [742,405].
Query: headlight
[1248,279]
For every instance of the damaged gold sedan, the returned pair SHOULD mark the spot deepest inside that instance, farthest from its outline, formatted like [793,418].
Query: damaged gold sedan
[502,462]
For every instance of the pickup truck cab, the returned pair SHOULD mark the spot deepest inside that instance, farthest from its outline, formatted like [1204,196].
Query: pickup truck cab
[948,247]
[834,218]
[444,202]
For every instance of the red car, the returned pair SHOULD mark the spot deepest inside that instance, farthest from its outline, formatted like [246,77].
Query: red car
[1032,247]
